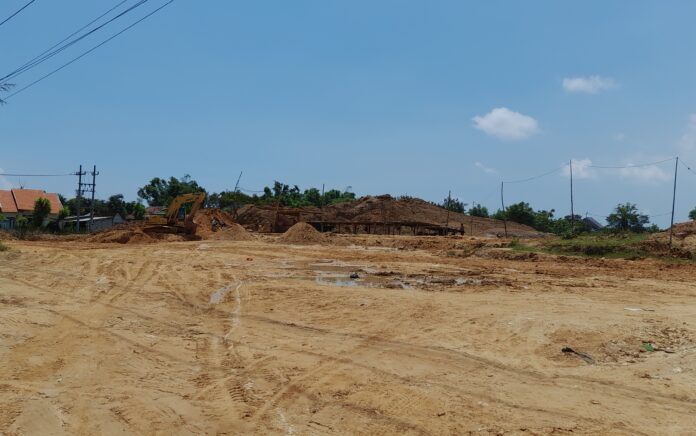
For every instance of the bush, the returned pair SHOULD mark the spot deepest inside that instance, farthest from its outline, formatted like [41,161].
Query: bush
[479,211]
[3,247]
[42,208]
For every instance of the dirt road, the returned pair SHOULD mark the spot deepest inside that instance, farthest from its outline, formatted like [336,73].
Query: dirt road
[220,337]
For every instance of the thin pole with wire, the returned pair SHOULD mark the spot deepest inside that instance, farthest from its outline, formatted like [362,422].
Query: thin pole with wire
[674,199]
[502,202]
[572,208]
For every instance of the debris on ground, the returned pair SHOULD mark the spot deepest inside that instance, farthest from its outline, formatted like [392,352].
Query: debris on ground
[584,356]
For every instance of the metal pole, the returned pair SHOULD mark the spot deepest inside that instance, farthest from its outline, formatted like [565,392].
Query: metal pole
[572,208]
[674,199]
[502,202]
[79,198]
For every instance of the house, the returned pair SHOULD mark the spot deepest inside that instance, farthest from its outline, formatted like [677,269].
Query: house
[592,224]
[21,202]
[91,224]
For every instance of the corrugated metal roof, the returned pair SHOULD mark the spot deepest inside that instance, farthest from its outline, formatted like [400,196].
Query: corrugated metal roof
[7,203]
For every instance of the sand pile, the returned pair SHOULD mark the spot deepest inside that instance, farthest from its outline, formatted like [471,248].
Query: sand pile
[131,235]
[232,232]
[209,221]
[377,209]
[303,233]
[684,238]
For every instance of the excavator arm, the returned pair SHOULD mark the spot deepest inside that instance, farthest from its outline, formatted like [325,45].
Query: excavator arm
[170,222]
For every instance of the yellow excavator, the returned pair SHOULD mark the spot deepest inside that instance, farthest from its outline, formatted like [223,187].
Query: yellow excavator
[176,219]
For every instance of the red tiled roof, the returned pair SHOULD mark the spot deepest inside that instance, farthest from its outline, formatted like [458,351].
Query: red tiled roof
[25,198]
[7,203]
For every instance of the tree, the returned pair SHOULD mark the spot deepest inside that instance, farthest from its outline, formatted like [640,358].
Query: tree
[480,211]
[692,214]
[63,213]
[519,212]
[138,211]
[116,205]
[626,218]
[160,192]
[42,208]
[453,205]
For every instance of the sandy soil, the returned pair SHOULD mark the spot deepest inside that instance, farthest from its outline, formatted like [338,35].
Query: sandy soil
[260,337]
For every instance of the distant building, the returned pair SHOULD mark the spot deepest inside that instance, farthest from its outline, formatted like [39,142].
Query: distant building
[92,225]
[21,202]
[592,224]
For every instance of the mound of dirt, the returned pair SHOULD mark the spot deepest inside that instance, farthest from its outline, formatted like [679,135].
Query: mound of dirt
[209,221]
[303,233]
[122,236]
[232,232]
[683,240]
[377,210]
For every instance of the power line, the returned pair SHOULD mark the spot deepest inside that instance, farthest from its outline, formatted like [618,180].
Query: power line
[35,175]
[63,40]
[536,177]
[13,15]
[44,57]
[688,167]
[90,50]
[630,165]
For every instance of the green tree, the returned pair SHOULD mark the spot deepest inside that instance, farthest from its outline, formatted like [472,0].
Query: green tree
[692,214]
[519,212]
[138,211]
[63,213]
[2,217]
[160,192]
[626,218]
[42,208]
[453,205]
[480,211]
[22,225]
[115,205]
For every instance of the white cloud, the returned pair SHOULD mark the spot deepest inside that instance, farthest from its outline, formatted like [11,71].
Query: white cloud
[506,124]
[485,169]
[4,183]
[581,169]
[588,85]
[649,174]
[688,140]
[619,137]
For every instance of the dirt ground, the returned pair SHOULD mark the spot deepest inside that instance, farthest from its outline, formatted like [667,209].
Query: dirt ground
[262,337]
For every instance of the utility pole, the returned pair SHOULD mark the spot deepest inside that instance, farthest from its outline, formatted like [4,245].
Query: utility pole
[79,174]
[321,205]
[236,185]
[93,187]
[674,199]
[502,202]
[572,208]
[449,204]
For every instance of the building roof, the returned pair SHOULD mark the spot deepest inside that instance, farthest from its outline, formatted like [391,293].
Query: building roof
[22,200]
[7,203]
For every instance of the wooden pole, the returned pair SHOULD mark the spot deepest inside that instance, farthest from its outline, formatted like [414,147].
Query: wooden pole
[449,204]
[674,199]
[502,202]
[572,208]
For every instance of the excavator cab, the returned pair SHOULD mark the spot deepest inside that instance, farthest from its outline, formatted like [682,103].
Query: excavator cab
[176,219]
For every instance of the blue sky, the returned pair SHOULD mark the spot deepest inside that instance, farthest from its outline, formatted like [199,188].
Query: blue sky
[400,97]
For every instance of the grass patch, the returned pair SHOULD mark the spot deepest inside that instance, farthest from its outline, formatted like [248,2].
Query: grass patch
[3,247]
[628,245]
[610,246]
